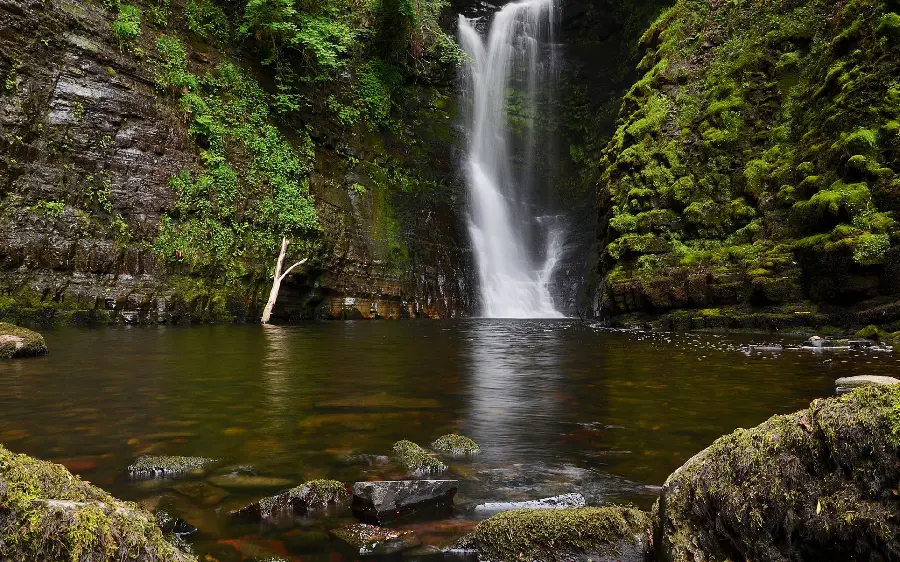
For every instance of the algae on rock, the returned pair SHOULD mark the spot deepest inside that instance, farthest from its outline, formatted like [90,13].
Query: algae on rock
[48,514]
[456,445]
[416,459]
[20,342]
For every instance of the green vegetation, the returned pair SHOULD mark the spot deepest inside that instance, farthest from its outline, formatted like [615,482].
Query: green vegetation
[207,20]
[769,134]
[416,460]
[127,25]
[456,445]
[528,535]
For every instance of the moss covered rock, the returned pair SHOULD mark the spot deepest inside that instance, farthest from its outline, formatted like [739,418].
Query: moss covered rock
[820,484]
[48,514]
[599,534]
[20,342]
[456,445]
[154,466]
[416,459]
[315,494]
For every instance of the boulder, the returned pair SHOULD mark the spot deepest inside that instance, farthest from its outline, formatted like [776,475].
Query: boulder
[456,446]
[416,459]
[819,484]
[150,466]
[20,342]
[48,514]
[396,499]
[169,524]
[369,540]
[315,494]
[596,534]
[556,502]
[845,384]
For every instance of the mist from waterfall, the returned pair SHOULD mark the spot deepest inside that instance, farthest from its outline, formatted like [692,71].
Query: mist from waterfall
[515,252]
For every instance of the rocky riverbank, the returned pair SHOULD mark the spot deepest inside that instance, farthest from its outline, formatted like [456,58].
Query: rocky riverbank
[816,484]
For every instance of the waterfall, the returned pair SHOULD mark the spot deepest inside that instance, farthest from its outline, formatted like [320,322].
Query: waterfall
[515,254]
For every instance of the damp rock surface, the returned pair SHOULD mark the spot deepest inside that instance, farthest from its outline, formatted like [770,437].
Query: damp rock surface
[556,502]
[596,534]
[849,383]
[16,342]
[315,494]
[814,485]
[370,540]
[151,466]
[48,514]
[395,499]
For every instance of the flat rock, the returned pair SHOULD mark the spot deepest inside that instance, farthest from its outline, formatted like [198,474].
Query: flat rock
[389,500]
[370,540]
[556,502]
[150,466]
[849,383]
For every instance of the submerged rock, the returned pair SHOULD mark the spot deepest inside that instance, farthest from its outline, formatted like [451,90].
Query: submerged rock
[416,459]
[456,445]
[370,540]
[48,514]
[241,480]
[20,342]
[819,484]
[596,534]
[314,494]
[846,384]
[395,499]
[168,523]
[556,502]
[150,466]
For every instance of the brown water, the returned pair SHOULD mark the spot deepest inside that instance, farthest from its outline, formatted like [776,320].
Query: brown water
[556,406]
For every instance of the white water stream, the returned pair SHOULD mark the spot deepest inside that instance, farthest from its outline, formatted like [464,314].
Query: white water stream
[513,277]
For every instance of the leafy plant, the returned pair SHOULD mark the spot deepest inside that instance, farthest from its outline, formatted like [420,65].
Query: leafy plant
[127,25]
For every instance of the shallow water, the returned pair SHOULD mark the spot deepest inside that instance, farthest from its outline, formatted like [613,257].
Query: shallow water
[557,407]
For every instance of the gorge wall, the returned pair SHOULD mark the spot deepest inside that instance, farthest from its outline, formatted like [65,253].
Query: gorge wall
[754,173]
[150,164]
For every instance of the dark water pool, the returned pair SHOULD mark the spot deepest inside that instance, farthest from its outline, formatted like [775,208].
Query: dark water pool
[557,407]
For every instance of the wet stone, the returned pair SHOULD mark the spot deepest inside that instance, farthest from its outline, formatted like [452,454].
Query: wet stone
[369,540]
[456,446]
[556,502]
[149,466]
[168,523]
[846,384]
[316,494]
[416,459]
[390,500]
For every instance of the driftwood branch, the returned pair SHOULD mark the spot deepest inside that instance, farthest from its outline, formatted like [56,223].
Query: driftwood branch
[276,281]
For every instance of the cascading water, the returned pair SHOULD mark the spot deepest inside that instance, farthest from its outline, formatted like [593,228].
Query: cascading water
[502,222]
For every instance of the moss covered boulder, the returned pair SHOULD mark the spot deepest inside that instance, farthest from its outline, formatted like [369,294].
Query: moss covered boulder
[315,494]
[416,459]
[48,514]
[155,466]
[456,445]
[820,484]
[20,342]
[598,534]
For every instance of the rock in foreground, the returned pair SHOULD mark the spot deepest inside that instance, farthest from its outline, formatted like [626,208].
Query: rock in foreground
[819,484]
[845,384]
[457,446]
[167,467]
[20,342]
[48,514]
[395,499]
[296,501]
[556,502]
[370,540]
[598,534]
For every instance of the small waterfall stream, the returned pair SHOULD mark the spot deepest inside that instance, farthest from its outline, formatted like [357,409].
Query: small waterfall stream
[515,253]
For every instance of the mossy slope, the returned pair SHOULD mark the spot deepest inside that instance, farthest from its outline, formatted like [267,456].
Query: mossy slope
[757,161]
[819,484]
[48,514]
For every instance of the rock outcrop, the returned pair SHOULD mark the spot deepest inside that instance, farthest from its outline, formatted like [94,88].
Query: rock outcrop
[819,484]
[48,514]
[20,342]
[596,534]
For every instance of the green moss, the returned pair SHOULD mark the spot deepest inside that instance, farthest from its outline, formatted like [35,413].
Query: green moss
[416,460]
[48,514]
[151,466]
[127,25]
[456,445]
[527,535]
[869,332]
[319,493]
[20,342]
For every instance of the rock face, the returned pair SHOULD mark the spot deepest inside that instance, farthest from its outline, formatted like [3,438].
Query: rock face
[315,494]
[20,342]
[150,466]
[819,484]
[48,514]
[556,502]
[390,500]
[370,540]
[596,534]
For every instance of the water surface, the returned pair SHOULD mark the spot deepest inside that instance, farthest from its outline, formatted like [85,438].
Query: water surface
[557,407]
